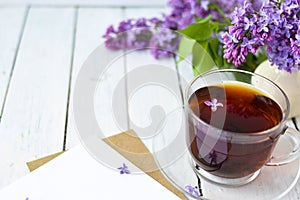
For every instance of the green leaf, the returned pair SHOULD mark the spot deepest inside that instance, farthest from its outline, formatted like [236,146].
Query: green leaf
[217,25]
[185,48]
[214,50]
[201,61]
[203,20]
[207,51]
[200,31]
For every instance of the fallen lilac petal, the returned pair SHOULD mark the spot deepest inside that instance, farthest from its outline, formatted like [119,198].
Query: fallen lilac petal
[124,169]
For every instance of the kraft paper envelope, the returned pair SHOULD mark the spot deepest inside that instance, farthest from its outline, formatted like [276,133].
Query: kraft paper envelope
[126,143]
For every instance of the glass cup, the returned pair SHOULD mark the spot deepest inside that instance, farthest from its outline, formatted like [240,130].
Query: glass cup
[233,133]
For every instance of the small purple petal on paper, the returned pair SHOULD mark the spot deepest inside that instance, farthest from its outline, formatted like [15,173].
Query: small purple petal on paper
[124,169]
[192,190]
[214,104]
[189,188]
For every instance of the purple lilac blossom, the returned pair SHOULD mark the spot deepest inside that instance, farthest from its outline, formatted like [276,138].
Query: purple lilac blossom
[237,46]
[229,6]
[296,43]
[192,190]
[130,34]
[164,43]
[124,169]
[214,104]
[182,14]
[275,25]
[125,37]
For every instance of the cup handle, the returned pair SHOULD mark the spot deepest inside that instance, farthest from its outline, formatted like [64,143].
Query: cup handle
[289,142]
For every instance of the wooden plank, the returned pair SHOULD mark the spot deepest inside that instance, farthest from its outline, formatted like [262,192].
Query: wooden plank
[186,73]
[12,20]
[157,93]
[33,120]
[91,25]
[145,12]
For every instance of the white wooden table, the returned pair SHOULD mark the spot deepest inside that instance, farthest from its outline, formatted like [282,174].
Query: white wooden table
[42,47]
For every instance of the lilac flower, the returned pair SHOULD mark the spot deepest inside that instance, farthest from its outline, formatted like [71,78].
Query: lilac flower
[182,14]
[296,44]
[282,49]
[124,169]
[275,25]
[214,104]
[250,23]
[241,37]
[193,190]
[130,34]
[247,43]
[229,6]
[164,43]
[229,38]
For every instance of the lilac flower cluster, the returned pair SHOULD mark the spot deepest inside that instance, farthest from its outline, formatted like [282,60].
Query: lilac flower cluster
[183,13]
[144,33]
[130,34]
[152,33]
[228,6]
[164,43]
[275,25]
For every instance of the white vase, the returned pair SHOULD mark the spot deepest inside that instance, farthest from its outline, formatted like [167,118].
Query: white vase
[290,84]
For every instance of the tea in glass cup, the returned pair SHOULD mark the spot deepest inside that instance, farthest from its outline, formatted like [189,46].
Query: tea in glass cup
[234,126]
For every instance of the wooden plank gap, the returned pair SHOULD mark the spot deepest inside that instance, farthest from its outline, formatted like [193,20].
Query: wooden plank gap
[126,90]
[295,123]
[181,87]
[15,58]
[123,9]
[71,72]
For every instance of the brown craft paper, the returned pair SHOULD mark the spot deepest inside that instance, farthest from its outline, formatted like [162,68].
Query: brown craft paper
[39,162]
[131,147]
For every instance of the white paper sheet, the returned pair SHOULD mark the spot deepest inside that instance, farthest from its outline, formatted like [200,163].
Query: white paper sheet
[75,175]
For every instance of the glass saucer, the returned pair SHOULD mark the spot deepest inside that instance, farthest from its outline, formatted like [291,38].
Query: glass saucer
[173,159]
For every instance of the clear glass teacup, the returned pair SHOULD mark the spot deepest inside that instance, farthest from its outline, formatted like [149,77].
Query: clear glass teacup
[234,121]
